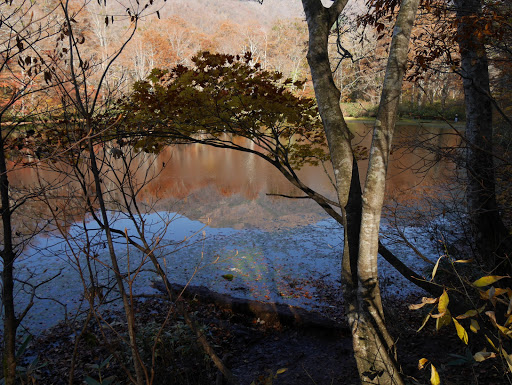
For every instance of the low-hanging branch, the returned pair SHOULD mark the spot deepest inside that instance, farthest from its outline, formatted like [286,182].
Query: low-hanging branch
[224,98]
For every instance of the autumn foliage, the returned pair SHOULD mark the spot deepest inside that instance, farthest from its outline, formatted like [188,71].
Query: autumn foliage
[223,95]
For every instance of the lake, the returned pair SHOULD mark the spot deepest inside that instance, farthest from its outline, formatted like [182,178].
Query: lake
[277,249]
[230,187]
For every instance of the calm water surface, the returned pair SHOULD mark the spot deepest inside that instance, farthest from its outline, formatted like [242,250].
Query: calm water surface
[267,242]
[230,188]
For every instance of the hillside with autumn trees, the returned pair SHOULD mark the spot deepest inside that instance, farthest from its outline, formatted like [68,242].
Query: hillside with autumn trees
[274,32]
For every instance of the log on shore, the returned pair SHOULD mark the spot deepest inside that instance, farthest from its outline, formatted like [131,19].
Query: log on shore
[270,313]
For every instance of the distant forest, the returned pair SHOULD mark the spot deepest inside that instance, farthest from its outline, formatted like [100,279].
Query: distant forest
[275,33]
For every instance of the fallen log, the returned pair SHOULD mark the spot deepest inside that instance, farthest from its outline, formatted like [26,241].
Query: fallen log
[267,312]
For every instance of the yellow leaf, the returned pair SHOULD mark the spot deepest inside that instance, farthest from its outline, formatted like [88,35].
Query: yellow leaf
[491,343]
[483,355]
[461,332]
[424,322]
[507,358]
[444,320]
[488,280]
[499,291]
[282,370]
[469,313]
[434,376]
[434,271]
[474,327]
[464,260]
[492,293]
[443,302]
[421,363]
[508,321]
[506,332]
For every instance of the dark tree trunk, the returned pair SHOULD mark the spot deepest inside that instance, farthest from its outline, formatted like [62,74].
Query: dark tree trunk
[490,234]
[8,257]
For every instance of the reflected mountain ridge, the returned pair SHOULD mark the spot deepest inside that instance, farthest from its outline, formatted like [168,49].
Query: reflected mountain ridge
[233,189]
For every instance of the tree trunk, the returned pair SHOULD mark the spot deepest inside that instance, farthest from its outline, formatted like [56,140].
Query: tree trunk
[373,342]
[8,257]
[320,21]
[490,234]
[361,212]
[140,373]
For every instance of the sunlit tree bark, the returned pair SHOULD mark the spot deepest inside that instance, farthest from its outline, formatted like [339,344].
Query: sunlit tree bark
[373,346]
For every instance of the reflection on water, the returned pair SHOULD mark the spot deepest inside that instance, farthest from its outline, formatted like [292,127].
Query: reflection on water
[230,187]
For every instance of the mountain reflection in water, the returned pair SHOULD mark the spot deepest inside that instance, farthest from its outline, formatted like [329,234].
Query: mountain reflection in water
[227,188]
[230,187]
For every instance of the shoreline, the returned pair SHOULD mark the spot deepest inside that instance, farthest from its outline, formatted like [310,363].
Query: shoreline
[291,266]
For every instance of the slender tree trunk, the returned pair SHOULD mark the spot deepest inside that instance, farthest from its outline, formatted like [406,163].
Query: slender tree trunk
[140,373]
[371,339]
[8,257]
[320,21]
[490,234]
[444,93]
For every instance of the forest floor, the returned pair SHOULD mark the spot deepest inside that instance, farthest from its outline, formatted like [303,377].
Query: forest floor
[254,350]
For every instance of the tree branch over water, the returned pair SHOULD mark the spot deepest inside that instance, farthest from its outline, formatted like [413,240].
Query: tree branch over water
[224,98]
